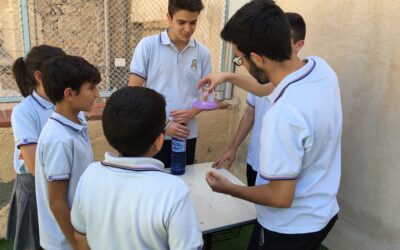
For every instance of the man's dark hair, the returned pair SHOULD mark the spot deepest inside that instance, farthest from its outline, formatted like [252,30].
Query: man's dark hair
[297,25]
[133,118]
[189,5]
[260,26]
[67,72]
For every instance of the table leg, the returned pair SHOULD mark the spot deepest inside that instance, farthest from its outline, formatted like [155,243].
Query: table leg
[207,238]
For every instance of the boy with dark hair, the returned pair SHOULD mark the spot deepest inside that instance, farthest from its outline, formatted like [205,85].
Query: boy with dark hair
[189,5]
[297,26]
[144,208]
[171,63]
[300,143]
[254,113]
[63,150]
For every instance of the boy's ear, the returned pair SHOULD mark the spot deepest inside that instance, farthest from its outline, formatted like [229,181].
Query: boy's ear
[169,17]
[38,76]
[69,94]
[298,46]
[159,142]
[257,59]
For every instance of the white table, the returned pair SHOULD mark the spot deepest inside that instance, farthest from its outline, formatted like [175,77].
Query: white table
[216,212]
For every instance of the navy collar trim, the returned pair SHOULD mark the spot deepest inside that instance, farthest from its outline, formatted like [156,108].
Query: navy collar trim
[130,168]
[67,125]
[296,80]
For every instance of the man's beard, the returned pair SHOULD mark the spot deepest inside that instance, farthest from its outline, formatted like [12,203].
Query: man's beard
[258,73]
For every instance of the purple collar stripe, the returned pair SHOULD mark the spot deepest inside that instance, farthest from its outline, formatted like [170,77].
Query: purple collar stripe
[280,178]
[38,102]
[296,80]
[58,178]
[62,123]
[26,142]
[132,168]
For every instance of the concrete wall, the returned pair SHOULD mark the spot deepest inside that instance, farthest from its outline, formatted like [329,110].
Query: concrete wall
[360,40]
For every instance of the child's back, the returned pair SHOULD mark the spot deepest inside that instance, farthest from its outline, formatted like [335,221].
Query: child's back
[130,203]
[127,201]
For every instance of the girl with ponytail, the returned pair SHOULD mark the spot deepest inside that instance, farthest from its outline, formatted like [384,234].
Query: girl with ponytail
[28,119]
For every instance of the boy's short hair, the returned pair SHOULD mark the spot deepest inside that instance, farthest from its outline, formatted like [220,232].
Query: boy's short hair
[67,72]
[189,5]
[132,119]
[297,25]
[260,26]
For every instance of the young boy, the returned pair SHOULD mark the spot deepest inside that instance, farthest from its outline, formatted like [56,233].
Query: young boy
[171,63]
[128,201]
[63,150]
[257,106]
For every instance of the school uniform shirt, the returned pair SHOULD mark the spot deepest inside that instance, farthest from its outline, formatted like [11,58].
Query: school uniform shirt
[130,203]
[63,153]
[301,140]
[172,73]
[261,106]
[27,119]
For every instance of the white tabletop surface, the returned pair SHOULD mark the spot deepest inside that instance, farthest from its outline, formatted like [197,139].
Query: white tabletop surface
[216,211]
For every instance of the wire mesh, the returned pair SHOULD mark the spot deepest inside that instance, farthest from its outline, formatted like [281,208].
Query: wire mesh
[10,46]
[105,32]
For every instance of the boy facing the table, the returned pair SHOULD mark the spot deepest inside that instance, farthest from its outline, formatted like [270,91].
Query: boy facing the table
[145,207]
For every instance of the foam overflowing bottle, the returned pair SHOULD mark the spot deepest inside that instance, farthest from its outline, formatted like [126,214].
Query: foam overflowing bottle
[178,156]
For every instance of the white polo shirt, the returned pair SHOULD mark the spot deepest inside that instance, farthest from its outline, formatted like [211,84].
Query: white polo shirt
[172,73]
[63,153]
[301,140]
[130,203]
[27,119]
[261,106]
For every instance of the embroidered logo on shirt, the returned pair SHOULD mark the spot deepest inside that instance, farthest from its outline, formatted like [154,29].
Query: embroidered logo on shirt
[194,64]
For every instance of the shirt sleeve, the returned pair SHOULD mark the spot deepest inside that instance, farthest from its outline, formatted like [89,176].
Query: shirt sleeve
[282,149]
[183,227]
[140,60]
[24,128]
[57,160]
[206,63]
[251,100]
[77,216]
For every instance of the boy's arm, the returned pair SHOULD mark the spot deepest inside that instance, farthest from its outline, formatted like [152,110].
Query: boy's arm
[81,241]
[245,125]
[58,191]
[277,193]
[243,81]
[135,80]
[28,153]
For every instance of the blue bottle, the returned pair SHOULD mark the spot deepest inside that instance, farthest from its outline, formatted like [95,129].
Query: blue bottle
[178,156]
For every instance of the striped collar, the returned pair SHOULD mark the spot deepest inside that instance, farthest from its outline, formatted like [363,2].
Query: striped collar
[41,101]
[165,40]
[293,77]
[68,123]
[132,163]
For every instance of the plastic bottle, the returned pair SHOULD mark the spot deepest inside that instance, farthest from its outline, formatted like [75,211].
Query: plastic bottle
[178,156]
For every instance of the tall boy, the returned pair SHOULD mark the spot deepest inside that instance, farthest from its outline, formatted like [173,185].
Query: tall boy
[257,106]
[171,63]
[299,173]
[63,150]
[144,208]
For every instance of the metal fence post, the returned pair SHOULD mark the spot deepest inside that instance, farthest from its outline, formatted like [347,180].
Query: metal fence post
[25,26]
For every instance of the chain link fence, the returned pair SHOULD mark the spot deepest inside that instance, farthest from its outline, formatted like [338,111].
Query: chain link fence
[105,32]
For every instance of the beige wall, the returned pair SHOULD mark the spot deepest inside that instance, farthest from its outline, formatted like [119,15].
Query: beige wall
[360,40]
